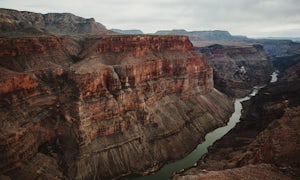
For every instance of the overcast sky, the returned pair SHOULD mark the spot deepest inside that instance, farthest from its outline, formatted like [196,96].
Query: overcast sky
[254,18]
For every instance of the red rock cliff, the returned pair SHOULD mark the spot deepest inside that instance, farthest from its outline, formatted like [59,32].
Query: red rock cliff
[108,107]
[265,143]
[32,53]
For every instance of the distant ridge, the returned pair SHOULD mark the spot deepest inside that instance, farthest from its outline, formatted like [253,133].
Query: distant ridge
[296,39]
[130,31]
[275,47]
[203,35]
[13,21]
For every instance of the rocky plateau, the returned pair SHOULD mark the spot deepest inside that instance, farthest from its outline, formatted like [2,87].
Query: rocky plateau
[100,106]
[78,101]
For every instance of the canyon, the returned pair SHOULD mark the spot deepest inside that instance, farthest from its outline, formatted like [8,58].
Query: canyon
[101,106]
[237,67]
[239,62]
[78,101]
[265,144]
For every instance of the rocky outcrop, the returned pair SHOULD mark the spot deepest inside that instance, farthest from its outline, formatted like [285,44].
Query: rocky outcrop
[238,68]
[102,107]
[267,138]
[275,48]
[34,53]
[30,23]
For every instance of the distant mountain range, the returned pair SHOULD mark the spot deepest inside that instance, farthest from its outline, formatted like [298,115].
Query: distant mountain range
[276,47]
[296,39]
[204,35]
[211,35]
[131,31]
[29,23]
[13,21]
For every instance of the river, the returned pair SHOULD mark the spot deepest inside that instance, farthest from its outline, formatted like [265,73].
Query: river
[190,160]
[274,77]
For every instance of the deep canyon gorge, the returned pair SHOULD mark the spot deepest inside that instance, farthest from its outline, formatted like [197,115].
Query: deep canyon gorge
[78,101]
[265,144]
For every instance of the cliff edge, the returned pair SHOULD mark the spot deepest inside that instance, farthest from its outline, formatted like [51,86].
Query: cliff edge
[265,144]
[102,106]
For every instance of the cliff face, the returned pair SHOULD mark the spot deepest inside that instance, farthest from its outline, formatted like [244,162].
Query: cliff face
[62,23]
[102,107]
[238,68]
[266,140]
[28,54]
[238,65]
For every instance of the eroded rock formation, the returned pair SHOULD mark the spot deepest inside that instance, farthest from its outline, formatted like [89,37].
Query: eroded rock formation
[238,68]
[30,23]
[266,141]
[228,53]
[102,107]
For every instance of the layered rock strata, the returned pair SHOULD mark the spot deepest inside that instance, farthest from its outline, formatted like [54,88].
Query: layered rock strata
[102,107]
[30,23]
[267,139]
[238,68]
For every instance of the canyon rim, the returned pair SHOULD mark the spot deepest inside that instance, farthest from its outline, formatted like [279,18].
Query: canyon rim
[81,102]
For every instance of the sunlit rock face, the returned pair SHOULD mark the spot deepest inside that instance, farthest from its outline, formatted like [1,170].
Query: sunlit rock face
[102,107]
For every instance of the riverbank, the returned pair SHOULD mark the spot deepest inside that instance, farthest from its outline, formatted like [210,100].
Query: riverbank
[191,160]
[265,144]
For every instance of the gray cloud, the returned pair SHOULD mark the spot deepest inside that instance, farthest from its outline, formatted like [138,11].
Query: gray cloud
[255,18]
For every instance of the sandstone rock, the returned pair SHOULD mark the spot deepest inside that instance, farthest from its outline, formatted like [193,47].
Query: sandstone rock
[103,107]
[267,134]
[35,53]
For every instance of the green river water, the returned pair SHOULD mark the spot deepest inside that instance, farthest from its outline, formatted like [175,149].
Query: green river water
[167,170]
